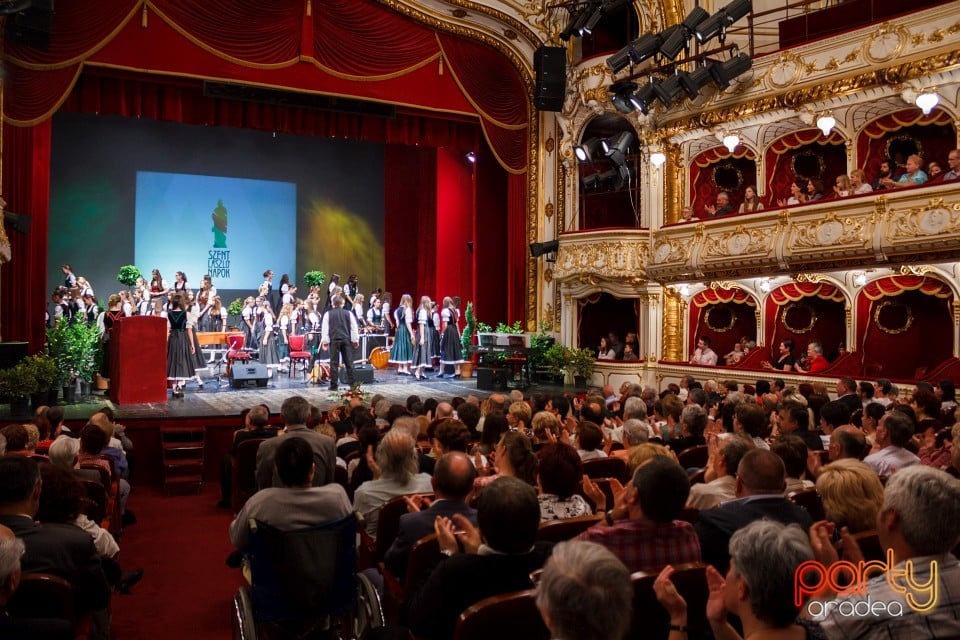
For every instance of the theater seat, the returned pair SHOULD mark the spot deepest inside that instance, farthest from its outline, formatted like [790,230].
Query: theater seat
[511,615]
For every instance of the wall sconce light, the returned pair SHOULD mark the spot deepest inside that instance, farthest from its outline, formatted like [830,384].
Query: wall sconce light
[928,100]
[859,278]
[765,285]
[826,123]
[471,157]
[730,141]
[683,289]
[657,158]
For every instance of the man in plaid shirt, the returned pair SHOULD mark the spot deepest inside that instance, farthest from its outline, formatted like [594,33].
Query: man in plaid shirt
[640,530]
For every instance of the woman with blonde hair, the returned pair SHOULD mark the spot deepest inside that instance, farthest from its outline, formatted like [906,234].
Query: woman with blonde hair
[843,187]
[858,181]
[647,451]
[401,354]
[852,494]
[423,345]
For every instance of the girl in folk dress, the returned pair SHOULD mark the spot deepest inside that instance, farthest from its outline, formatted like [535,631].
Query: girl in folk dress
[158,286]
[285,322]
[269,354]
[180,349]
[376,319]
[435,333]
[402,352]
[423,346]
[217,314]
[248,321]
[358,311]
[450,348]
[386,298]
[191,307]
[180,284]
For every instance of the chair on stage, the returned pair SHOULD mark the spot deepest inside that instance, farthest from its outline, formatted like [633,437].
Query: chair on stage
[235,350]
[298,353]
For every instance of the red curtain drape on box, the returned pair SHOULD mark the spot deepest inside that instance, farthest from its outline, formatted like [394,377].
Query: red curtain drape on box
[925,344]
[703,190]
[778,160]
[826,301]
[357,48]
[739,302]
[935,134]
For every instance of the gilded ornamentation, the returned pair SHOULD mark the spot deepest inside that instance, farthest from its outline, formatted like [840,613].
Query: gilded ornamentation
[672,345]
[827,232]
[812,278]
[915,270]
[609,260]
[885,43]
[723,284]
[741,241]
[901,313]
[935,218]
[548,209]
[548,275]
[667,250]
[549,145]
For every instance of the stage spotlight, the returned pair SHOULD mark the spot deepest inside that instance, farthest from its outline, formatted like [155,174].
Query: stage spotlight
[594,180]
[677,37]
[643,98]
[588,150]
[617,147]
[723,73]
[667,90]
[578,18]
[636,52]
[471,156]
[624,176]
[717,24]
[591,22]
[537,249]
[693,82]
[622,96]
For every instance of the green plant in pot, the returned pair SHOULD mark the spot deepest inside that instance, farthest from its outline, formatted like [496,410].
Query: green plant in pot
[17,384]
[128,276]
[556,359]
[314,279]
[466,342]
[75,349]
[44,370]
[581,365]
[540,342]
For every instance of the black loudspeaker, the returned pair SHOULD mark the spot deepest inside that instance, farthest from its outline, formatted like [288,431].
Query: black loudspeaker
[240,374]
[550,64]
[362,373]
[11,353]
[32,26]
[490,379]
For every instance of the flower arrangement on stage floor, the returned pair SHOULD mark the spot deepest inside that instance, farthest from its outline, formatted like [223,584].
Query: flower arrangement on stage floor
[354,392]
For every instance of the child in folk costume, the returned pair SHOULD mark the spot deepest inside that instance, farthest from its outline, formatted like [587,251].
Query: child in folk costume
[451,352]
[285,322]
[435,324]
[191,307]
[401,354]
[180,348]
[423,345]
[248,321]
[269,354]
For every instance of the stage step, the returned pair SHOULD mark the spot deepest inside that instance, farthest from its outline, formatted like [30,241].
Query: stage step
[183,449]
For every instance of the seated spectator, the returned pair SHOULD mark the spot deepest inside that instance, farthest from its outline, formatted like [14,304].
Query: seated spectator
[750,421]
[559,475]
[604,352]
[513,457]
[725,456]
[494,426]
[17,438]
[722,208]
[793,418]
[758,589]
[295,411]
[858,182]
[703,355]
[296,503]
[814,189]
[256,425]
[629,353]
[751,201]
[359,469]
[913,176]
[452,482]
[693,422]
[614,341]
[469,415]
[635,432]
[497,558]
[641,529]
[815,360]
[953,161]
[843,187]
[585,593]
[920,522]
[11,550]
[734,356]
[395,475]
[60,549]
[893,433]
[793,452]
[92,441]
[934,170]
[886,174]
[544,422]
[851,493]
[451,435]
[761,480]
[590,441]
[686,214]
[797,195]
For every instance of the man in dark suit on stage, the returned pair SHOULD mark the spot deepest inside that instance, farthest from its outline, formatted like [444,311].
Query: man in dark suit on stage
[452,482]
[61,549]
[295,411]
[339,331]
[761,480]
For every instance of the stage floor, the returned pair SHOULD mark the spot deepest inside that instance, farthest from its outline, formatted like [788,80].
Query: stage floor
[220,399]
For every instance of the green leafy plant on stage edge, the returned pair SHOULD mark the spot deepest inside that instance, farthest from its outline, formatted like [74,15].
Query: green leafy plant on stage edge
[582,362]
[236,307]
[18,381]
[75,348]
[44,370]
[506,328]
[314,278]
[128,275]
[466,338]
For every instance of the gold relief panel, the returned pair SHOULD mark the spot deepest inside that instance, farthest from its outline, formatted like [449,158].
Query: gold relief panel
[668,250]
[937,218]
[620,261]
[831,231]
[742,241]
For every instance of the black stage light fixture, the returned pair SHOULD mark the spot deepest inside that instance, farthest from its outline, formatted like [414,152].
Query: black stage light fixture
[636,52]
[723,73]
[666,91]
[643,98]
[694,81]
[588,150]
[717,24]
[677,37]
[617,147]
[537,249]
[594,180]
[625,175]
[622,96]
[737,9]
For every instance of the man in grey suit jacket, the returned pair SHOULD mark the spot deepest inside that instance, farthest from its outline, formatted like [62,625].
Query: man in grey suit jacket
[295,411]
[452,482]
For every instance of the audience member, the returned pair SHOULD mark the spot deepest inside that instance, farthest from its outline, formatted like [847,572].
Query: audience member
[703,355]
[913,176]
[858,182]
[590,441]
[893,433]
[11,550]
[814,189]
[722,208]
[295,410]
[843,187]
[725,456]
[693,422]
[851,493]
[793,452]
[797,195]
[559,475]
[885,174]
[817,362]
[255,426]
[751,201]
[953,161]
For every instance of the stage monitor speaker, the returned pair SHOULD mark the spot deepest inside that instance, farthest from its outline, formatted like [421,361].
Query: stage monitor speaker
[11,353]
[240,374]
[362,373]
[490,379]
[33,25]
[550,65]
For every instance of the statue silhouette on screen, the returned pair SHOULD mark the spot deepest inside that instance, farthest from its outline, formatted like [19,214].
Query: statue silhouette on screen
[219,229]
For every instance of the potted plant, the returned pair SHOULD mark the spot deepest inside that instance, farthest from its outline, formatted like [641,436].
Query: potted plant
[556,359]
[17,384]
[314,279]
[581,364]
[466,343]
[234,311]
[540,343]
[86,353]
[74,348]
[128,276]
[485,336]
[45,373]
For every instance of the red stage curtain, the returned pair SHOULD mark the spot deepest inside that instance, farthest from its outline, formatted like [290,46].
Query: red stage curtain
[409,215]
[778,161]
[703,190]
[928,341]
[825,301]
[454,228]
[740,303]
[517,246]
[934,132]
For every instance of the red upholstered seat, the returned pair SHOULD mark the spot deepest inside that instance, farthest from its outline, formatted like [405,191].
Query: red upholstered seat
[297,352]
[235,352]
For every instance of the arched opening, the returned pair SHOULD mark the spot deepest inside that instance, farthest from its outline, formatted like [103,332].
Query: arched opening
[716,170]
[804,312]
[801,156]
[603,313]
[609,189]
[725,316]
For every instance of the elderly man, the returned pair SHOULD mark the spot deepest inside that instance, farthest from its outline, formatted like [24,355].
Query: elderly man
[585,593]
[761,481]
[722,208]
[724,459]
[920,524]
[847,394]
[641,529]
[893,434]
[635,433]
[953,160]
[296,504]
[817,362]
[499,557]
[396,474]
[794,418]
[295,411]
[11,550]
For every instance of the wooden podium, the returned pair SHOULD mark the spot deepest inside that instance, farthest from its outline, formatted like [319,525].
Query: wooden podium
[138,360]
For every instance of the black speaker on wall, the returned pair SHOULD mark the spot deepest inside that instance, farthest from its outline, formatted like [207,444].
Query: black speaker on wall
[550,65]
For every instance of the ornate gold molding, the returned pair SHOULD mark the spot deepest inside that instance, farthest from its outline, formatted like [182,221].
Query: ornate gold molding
[672,341]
